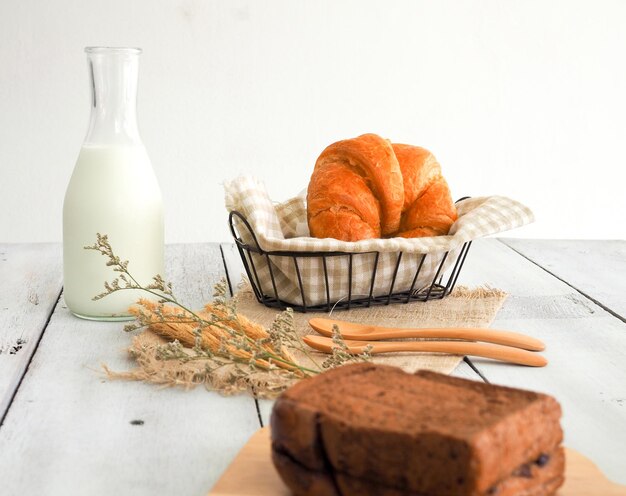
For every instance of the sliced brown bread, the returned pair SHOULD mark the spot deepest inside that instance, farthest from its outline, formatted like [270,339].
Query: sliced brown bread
[425,433]
[535,479]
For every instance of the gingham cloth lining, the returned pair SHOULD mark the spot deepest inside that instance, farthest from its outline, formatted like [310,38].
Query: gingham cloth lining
[283,227]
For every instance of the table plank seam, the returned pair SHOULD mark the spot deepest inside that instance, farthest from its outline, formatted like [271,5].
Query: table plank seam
[589,297]
[30,359]
[475,369]
[232,293]
[230,285]
[258,412]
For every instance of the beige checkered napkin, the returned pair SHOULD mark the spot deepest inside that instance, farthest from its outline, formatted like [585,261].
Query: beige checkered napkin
[283,227]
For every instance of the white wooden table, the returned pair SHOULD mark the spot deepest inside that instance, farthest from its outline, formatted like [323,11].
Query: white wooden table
[67,430]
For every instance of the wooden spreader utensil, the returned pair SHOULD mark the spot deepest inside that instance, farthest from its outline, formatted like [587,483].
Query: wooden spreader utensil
[366,332]
[494,351]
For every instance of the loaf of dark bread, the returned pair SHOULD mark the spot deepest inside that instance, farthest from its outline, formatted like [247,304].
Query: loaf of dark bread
[372,429]
[539,478]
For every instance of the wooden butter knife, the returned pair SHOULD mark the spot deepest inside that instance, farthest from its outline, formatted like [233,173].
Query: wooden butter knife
[494,351]
[352,330]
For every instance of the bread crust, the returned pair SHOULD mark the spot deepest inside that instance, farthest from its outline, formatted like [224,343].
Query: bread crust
[528,480]
[364,420]
[367,187]
[341,205]
[371,158]
[428,207]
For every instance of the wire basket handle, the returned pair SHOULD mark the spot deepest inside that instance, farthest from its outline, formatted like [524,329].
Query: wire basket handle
[237,238]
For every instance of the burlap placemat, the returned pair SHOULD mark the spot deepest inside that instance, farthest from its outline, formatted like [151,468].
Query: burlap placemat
[464,307]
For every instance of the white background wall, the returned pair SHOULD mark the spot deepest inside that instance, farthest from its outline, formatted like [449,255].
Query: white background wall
[520,98]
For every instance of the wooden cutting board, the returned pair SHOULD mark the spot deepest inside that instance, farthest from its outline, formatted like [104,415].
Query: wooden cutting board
[252,474]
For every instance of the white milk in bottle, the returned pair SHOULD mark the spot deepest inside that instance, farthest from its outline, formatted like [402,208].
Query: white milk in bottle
[114,191]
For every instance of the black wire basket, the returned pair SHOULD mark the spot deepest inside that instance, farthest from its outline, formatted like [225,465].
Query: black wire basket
[446,273]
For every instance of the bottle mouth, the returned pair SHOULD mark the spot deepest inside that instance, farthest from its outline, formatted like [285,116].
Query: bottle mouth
[113,50]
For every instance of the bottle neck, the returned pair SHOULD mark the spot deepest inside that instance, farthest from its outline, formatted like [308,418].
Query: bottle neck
[113,74]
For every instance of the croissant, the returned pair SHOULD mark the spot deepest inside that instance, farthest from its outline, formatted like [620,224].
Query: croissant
[367,187]
[356,191]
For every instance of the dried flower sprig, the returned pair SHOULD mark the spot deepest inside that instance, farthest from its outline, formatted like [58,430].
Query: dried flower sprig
[341,354]
[217,335]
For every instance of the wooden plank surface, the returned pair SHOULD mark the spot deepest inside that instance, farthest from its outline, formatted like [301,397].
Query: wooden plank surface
[586,347]
[71,431]
[595,267]
[30,284]
[236,271]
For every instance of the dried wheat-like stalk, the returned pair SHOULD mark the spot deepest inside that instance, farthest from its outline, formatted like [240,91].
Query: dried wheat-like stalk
[219,332]
[218,335]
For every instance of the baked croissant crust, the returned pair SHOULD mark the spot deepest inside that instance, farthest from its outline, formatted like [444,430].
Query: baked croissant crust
[365,187]
[428,207]
[362,201]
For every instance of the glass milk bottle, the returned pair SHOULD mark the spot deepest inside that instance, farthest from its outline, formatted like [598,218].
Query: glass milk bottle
[114,191]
